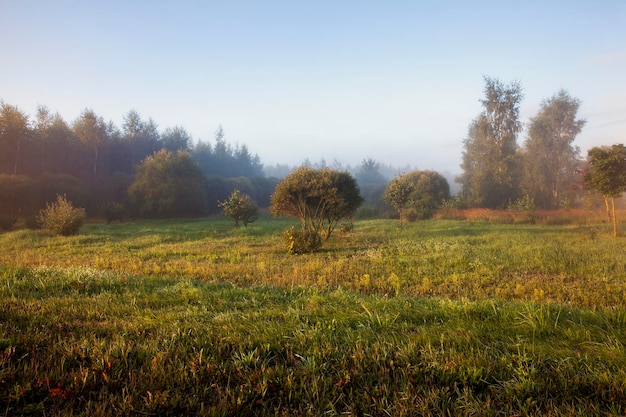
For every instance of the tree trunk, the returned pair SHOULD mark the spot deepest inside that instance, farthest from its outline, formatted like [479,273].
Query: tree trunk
[17,156]
[606,204]
[614,219]
[95,162]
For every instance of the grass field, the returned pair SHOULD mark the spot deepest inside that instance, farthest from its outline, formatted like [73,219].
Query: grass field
[198,318]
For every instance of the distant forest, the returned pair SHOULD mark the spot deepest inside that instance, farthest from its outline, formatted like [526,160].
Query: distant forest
[93,162]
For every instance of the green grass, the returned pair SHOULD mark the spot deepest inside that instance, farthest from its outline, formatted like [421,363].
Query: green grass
[199,318]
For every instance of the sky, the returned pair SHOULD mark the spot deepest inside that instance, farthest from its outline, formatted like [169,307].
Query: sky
[342,80]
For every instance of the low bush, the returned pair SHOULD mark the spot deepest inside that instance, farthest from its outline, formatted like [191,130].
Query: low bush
[302,241]
[61,218]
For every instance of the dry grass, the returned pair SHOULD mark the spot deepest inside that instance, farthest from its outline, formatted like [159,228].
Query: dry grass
[547,217]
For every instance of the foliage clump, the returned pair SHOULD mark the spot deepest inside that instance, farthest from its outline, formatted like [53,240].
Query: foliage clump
[525,205]
[240,208]
[302,241]
[61,218]
[319,199]
[417,194]
[607,175]
[169,185]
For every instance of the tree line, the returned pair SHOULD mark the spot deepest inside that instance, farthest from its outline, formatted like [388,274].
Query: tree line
[94,162]
[154,173]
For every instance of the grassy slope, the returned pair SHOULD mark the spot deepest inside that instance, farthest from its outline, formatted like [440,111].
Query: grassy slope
[517,320]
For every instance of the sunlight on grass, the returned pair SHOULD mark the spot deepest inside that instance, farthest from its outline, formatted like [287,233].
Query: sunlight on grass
[195,318]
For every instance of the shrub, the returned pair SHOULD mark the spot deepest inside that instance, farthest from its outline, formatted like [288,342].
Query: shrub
[240,208]
[302,241]
[61,218]
[526,206]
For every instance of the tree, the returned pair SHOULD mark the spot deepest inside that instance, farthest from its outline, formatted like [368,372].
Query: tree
[550,160]
[92,131]
[430,189]
[490,161]
[398,194]
[141,138]
[369,173]
[342,199]
[318,198]
[240,208]
[607,174]
[245,163]
[169,185]
[13,132]
[176,139]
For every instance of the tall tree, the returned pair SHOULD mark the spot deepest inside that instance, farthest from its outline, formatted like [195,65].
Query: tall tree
[176,139]
[245,163]
[607,174]
[141,138]
[13,133]
[550,160]
[222,154]
[369,173]
[92,131]
[41,129]
[490,161]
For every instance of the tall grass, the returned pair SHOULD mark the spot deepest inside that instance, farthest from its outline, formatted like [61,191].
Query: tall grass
[198,318]
[574,264]
[77,341]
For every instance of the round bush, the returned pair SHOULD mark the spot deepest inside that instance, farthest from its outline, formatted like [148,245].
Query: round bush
[61,218]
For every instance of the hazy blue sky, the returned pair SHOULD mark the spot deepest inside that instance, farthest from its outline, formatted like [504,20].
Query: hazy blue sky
[398,81]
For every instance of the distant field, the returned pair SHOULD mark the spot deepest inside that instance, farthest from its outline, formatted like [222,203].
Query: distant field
[198,318]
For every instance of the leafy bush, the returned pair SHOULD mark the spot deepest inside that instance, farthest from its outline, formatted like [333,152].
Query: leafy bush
[61,218]
[302,241]
[525,205]
[240,208]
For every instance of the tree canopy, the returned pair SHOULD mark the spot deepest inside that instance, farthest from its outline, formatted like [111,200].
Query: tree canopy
[318,198]
[398,194]
[490,162]
[607,174]
[239,207]
[416,193]
[430,189]
[550,159]
[169,184]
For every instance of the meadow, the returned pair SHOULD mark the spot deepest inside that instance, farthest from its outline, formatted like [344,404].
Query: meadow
[195,317]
